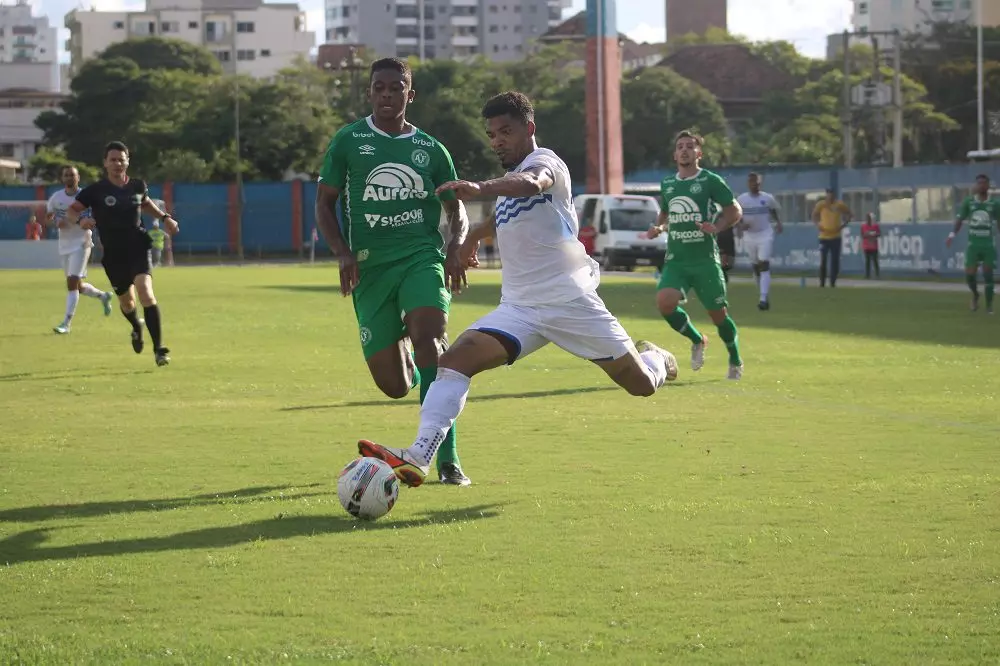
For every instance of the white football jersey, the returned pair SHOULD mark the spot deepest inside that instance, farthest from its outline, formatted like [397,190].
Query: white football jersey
[543,261]
[73,238]
[757,211]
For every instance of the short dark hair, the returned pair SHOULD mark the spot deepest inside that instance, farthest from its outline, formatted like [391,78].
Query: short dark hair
[690,134]
[754,174]
[511,103]
[115,145]
[67,166]
[983,176]
[392,64]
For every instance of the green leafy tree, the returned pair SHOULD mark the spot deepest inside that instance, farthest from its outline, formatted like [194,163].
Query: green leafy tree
[160,53]
[46,165]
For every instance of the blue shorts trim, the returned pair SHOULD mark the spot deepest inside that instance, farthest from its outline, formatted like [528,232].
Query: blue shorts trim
[505,334]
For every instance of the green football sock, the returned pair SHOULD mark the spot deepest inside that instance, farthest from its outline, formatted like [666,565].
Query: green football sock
[415,382]
[448,451]
[680,322]
[988,279]
[729,335]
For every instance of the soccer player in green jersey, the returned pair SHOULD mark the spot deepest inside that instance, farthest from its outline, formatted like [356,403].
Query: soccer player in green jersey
[983,214]
[689,198]
[385,171]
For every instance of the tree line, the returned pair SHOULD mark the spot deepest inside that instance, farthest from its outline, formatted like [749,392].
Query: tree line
[172,104]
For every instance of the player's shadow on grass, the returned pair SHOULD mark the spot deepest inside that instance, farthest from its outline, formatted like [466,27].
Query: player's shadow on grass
[386,402]
[29,546]
[31,514]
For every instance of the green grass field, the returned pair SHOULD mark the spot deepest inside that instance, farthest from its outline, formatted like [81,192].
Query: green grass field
[838,506]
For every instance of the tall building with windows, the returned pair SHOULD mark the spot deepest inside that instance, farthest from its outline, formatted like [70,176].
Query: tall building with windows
[247,36]
[916,15]
[694,16]
[24,37]
[497,29]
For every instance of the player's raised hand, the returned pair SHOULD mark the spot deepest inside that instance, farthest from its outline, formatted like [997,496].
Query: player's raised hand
[349,276]
[87,223]
[455,265]
[463,189]
[171,226]
[653,232]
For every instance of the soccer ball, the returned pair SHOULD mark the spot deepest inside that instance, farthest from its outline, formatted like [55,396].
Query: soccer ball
[367,488]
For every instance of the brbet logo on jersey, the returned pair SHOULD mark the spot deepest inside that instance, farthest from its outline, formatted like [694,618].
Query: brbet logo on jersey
[363,135]
[423,142]
[394,182]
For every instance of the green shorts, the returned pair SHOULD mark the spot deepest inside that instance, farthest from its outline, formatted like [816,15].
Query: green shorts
[987,256]
[705,279]
[388,293]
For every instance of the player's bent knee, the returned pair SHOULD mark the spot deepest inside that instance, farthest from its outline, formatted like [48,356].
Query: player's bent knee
[475,352]
[667,301]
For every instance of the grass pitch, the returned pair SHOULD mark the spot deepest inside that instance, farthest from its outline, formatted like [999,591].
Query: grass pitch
[839,506]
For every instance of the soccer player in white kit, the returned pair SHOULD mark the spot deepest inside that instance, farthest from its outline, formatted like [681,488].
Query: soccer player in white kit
[548,293]
[75,244]
[759,210]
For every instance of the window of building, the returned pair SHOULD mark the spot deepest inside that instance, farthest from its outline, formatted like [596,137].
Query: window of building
[169,26]
[943,5]
[264,53]
[517,28]
[6,150]
[407,31]
[215,31]
[862,8]
[193,25]
[246,54]
[223,56]
[493,9]
[496,48]
[494,28]
[244,26]
[118,25]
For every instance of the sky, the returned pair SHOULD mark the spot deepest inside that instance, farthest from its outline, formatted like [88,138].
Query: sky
[805,23]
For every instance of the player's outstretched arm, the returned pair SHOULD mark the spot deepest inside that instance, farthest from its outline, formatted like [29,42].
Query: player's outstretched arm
[662,223]
[527,183]
[963,213]
[169,223]
[73,216]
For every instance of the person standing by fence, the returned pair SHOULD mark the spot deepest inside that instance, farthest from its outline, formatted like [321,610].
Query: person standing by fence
[870,233]
[830,216]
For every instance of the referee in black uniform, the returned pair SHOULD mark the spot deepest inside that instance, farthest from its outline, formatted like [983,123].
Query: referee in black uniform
[117,203]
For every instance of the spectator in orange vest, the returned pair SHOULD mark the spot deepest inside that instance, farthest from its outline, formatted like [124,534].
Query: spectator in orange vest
[33,230]
[870,233]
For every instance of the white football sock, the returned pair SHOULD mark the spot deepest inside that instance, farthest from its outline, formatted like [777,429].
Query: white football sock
[88,289]
[444,401]
[765,284]
[72,298]
[655,366]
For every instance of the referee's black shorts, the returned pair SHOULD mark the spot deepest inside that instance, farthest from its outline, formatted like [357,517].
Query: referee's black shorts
[123,266]
[727,242]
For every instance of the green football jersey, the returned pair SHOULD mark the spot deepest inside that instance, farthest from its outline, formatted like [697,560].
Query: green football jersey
[688,203]
[981,217]
[388,207]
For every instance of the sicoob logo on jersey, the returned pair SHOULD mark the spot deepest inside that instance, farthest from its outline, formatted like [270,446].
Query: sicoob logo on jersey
[980,223]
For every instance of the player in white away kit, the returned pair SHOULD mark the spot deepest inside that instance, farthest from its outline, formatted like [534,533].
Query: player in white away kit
[549,289]
[759,210]
[75,244]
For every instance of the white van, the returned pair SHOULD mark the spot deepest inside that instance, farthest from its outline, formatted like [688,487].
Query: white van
[613,229]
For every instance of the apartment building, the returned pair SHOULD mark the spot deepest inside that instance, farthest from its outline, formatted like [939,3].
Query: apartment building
[916,15]
[247,36]
[501,30]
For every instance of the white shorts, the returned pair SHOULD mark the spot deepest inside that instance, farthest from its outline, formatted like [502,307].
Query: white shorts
[758,246]
[583,327]
[75,263]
